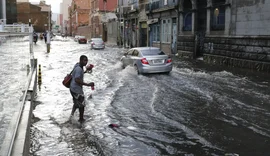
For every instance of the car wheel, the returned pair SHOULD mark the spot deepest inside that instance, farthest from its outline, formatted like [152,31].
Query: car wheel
[123,66]
[137,70]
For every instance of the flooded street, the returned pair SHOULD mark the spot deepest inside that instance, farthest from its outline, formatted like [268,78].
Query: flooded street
[191,111]
[13,63]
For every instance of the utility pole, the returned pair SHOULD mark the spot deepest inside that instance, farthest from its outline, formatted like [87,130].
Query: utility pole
[49,31]
[4,11]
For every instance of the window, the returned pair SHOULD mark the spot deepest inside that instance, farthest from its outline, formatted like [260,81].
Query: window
[156,32]
[218,18]
[151,52]
[187,26]
[165,2]
[135,53]
[166,30]
[130,52]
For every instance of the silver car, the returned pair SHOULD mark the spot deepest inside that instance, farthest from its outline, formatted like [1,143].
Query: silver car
[147,60]
[97,43]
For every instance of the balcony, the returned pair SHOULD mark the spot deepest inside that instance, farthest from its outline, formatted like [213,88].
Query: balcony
[161,5]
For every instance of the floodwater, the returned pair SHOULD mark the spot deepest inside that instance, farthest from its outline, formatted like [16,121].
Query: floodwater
[196,110]
[14,58]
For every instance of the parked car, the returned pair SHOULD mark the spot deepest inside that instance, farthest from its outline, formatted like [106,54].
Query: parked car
[76,37]
[147,60]
[97,43]
[82,39]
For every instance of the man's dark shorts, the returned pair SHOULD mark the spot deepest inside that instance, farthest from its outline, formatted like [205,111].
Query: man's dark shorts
[78,100]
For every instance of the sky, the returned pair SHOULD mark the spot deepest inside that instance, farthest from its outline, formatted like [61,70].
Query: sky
[54,3]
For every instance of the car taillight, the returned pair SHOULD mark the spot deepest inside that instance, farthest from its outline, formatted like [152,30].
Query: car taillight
[169,60]
[144,61]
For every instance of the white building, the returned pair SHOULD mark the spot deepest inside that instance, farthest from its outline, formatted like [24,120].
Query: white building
[64,11]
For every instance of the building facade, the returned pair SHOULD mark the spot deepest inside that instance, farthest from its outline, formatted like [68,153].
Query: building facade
[227,32]
[64,10]
[79,15]
[163,25]
[101,12]
[121,11]
[8,10]
[2,8]
[27,11]
[234,33]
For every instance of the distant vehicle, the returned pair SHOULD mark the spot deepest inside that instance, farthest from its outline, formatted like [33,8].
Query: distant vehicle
[82,39]
[97,43]
[76,38]
[147,60]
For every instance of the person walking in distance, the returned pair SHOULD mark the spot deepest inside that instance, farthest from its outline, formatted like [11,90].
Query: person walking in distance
[76,87]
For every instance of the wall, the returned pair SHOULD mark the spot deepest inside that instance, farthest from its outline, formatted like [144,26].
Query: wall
[11,9]
[244,52]
[186,45]
[82,4]
[1,10]
[251,17]
[28,11]
[83,17]
[109,6]
[84,31]
[112,29]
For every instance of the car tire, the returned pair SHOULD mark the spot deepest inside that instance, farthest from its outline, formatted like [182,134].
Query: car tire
[123,66]
[137,70]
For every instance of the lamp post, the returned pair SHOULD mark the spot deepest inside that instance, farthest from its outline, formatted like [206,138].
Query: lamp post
[4,11]
[49,31]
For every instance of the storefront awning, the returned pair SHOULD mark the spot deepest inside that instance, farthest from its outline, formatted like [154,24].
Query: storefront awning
[152,21]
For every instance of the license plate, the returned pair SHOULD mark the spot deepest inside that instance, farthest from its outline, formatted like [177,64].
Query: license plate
[158,61]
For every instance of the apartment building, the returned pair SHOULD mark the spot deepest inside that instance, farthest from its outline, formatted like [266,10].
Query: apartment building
[79,16]
[101,12]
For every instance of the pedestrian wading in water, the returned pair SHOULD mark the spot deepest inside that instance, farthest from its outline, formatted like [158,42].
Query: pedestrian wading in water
[76,87]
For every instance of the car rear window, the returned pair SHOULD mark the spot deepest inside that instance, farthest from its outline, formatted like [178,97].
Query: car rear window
[98,41]
[150,52]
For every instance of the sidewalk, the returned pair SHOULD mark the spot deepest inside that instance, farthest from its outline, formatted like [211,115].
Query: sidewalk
[111,44]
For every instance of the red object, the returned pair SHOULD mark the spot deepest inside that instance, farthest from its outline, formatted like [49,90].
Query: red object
[82,40]
[89,67]
[169,60]
[144,61]
[93,87]
[67,80]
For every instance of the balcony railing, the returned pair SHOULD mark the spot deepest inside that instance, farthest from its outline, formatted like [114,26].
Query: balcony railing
[160,4]
[21,28]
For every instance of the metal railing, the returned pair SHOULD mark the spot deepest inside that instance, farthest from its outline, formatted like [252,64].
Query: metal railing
[31,75]
[19,30]
[14,28]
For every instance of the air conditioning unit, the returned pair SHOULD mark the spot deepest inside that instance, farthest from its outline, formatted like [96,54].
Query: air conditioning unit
[165,2]
[132,7]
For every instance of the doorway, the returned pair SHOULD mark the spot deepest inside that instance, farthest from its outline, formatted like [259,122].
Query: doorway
[143,35]
[201,24]
[174,36]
